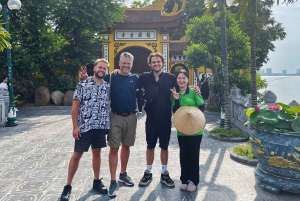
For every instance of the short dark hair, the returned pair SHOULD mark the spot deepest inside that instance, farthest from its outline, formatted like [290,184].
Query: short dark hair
[155,54]
[183,72]
[3,78]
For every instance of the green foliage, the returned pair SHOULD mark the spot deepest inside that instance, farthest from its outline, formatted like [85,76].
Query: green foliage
[193,9]
[51,39]
[203,30]
[3,35]
[79,22]
[197,55]
[242,79]
[228,133]
[267,28]
[142,4]
[281,117]
[244,150]
[204,41]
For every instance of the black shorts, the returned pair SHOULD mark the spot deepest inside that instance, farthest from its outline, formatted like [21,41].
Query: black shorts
[94,137]
[155,130]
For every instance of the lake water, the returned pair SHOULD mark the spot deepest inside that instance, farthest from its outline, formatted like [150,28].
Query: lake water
[286,88]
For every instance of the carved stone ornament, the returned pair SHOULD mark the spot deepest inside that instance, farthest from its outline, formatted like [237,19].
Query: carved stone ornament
[153,45]
[117,45]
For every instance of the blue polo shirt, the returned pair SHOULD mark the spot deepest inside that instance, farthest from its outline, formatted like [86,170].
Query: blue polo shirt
[123,92]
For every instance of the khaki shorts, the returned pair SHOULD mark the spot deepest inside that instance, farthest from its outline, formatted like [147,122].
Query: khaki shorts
[122,130]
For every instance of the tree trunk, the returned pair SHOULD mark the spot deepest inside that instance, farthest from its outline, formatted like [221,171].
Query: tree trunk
[225,68]
[213,69]
[253,55]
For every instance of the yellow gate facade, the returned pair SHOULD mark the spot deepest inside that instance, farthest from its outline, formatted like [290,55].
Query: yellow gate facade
[147,30]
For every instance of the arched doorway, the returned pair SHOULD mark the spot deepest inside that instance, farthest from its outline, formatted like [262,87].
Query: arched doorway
[177,67]
[140,59]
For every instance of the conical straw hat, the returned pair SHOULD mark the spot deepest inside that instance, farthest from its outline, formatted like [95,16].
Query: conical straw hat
[189,120]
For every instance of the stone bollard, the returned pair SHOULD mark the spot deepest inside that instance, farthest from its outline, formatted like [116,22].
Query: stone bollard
[6,101]
[294,103]
[2,110]
[270,98]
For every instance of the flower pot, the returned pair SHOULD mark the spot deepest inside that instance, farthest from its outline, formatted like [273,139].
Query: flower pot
[278,157]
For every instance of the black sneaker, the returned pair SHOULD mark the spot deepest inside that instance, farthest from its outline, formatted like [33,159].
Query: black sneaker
[98,185]
[112,189]
[165,178]
[65,196]
[124,178]
[147,178]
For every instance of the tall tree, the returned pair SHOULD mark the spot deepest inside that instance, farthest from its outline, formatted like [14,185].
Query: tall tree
[79,22]
[253,22]
[51,37]
[193,9]
[203,36]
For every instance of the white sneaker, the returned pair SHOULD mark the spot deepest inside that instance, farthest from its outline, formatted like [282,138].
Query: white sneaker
[183,187]
[191,187]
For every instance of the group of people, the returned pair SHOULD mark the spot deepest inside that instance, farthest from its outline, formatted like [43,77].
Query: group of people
[106,103]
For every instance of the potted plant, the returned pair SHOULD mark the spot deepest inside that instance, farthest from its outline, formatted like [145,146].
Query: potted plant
[276,144]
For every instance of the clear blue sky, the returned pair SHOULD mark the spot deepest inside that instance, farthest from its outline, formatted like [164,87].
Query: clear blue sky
[287,52]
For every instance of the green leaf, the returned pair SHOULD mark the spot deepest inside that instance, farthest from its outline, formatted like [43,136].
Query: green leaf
[268,116]
[296,109]
[249,111]
[253,117]
[283,124]
[285,116]
[267,127]
[289,111]
[282,105]
[296,125]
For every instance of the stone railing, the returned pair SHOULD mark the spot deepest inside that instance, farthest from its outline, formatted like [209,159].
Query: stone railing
[4,101]
[238,104]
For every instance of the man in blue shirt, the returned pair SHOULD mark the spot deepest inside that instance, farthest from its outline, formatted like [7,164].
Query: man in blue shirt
[123,119]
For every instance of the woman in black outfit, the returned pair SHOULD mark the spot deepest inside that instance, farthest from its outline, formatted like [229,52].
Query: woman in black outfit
[204,88]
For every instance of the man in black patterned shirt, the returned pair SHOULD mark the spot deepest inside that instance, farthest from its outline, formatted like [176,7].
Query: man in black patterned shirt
[90,118]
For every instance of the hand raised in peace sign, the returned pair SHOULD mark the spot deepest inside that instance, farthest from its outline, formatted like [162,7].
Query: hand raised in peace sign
[175,94]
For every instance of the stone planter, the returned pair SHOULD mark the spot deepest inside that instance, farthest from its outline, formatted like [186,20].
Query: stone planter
[278,157]
[242,159]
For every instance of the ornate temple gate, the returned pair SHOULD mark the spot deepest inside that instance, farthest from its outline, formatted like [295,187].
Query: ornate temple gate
[147,30]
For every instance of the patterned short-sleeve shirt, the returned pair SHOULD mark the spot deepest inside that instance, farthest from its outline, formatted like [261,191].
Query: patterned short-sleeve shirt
[94,105]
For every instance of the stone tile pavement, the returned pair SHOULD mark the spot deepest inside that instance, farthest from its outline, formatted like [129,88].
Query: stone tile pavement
[35,154]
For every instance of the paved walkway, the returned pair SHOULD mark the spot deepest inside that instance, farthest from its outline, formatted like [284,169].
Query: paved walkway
[35,154]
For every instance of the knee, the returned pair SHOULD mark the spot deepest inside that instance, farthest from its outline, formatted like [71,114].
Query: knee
[76,156]
[150,147]
[96,153]
[126,148]
[114,150]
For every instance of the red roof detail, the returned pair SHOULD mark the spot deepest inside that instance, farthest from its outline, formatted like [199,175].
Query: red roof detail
[138,16]
[177,48]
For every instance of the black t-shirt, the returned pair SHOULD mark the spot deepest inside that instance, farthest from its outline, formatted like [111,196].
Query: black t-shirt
[158,96]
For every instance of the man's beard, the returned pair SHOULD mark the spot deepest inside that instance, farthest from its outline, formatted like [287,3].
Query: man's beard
[99,76]
[157,71]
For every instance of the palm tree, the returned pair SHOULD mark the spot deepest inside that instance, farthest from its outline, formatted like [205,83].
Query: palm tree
[3,36]
[210,4]
[248,13]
